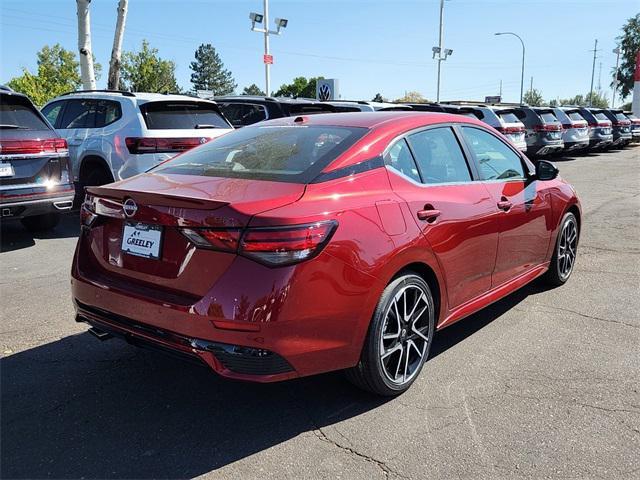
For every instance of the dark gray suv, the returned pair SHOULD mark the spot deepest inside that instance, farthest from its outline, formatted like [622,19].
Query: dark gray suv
[543,131]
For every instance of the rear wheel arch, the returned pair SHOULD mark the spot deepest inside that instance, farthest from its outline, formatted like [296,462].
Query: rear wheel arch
[428,274]
[576,212]
[92,164]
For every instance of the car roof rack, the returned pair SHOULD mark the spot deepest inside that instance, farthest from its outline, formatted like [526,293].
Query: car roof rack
[121,92]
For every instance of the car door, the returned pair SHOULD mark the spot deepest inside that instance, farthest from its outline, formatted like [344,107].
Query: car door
[77,118]
[523,202]
[429,171]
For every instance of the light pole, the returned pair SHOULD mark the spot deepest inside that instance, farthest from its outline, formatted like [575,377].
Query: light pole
[267,58]
[441,52]
[617,51]
[593,72]
[522,73]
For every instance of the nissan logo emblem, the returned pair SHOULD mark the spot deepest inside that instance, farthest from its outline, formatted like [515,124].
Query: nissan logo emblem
[129,207]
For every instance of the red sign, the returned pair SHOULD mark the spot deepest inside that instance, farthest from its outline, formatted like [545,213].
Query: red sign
[636,74]
[268,59]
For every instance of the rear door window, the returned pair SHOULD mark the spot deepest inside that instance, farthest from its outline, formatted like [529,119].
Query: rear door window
[399,158]
[182,116]
[107,112]
[79,114]
[294,154]
[242,114]
[439,156]
[18,113]
[494,159]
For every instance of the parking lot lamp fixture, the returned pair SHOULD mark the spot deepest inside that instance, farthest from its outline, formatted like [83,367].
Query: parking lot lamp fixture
[522,72]
[260,18]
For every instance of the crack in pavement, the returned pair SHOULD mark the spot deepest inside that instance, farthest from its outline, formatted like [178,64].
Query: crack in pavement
[592,317]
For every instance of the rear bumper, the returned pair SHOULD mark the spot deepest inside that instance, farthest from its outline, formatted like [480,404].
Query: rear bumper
[545,148]
[577,145]
[254,323]
[25,203]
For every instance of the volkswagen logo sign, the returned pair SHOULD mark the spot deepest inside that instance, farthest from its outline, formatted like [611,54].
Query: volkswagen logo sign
[129,207]
[324,92]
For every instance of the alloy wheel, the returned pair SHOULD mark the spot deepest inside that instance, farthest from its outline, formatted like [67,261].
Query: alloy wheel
[567,248]
[405,334]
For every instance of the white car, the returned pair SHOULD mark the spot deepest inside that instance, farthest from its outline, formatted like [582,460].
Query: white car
[114,135]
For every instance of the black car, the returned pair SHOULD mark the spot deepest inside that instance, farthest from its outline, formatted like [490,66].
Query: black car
[35,185]
[621,126]
[245,110]
[543,131]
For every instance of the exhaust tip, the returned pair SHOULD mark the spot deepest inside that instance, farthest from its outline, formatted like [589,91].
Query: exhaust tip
[64,205]
[99,334]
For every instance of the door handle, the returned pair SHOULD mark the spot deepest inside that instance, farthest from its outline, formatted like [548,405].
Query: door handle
[505,204]
[430,215]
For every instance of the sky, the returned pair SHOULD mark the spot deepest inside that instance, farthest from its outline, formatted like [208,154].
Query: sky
[370,46]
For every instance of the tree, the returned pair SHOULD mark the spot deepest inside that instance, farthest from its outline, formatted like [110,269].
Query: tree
[378,98]
[629,42]
[300,87]
[412,97]
[58,73]
[209,72]
[534,98]
[253,89]
[599,100]
[145,71]
[116,52]
[84,45]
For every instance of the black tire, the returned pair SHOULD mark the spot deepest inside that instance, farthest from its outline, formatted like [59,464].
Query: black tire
[96,177]
[557,274]
[37,223]
[370,373]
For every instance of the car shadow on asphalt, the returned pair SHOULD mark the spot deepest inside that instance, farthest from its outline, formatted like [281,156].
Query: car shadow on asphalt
[13,236]
[78,407]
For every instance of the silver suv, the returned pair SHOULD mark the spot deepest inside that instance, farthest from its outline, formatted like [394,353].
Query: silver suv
[114,135]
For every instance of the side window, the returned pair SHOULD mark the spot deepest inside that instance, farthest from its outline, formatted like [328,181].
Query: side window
[52,111]
[79,114]
[107,112]
[399,158]
[439,156]
[496,161]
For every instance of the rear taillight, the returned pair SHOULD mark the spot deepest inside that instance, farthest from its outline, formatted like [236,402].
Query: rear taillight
[548,127]
[510,129]
[30,147]
[137,145]
[272,246]
[87,212]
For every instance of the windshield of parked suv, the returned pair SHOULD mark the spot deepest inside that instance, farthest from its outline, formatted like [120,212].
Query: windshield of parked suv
[548,117]
[242,114]
[279,153]
[182,116]
[17,113]
[576,117]
[508,117]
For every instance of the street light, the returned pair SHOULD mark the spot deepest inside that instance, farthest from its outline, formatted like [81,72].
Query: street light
[617,51]
[441,52]
[280,24]
[522,74]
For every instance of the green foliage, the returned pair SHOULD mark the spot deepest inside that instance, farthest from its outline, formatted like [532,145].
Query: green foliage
[599,100]
[145,71]
[534,98]
[412,97]
[253,89]
[58,73]
[300,87]
[629,42]
[378,98]
[209,72]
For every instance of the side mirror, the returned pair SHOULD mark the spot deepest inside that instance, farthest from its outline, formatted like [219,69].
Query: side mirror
[546,170]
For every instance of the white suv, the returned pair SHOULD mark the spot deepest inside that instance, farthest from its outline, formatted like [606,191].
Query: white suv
[114,135]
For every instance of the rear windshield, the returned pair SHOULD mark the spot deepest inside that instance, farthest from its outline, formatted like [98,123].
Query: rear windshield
[621,116]
[243,114]
[18,113]
[508,117]
[181,116]
[289,153]
[468,112]
[575,116]
[548,117]
[600,116]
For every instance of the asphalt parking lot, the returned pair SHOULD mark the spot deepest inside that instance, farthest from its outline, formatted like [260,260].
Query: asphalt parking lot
[543,384]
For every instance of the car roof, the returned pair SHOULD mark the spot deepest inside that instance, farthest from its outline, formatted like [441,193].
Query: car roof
[401,119]
[141,97]
[259,98]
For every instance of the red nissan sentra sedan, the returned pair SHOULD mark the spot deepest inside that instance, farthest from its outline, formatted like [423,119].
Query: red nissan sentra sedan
[303,245]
